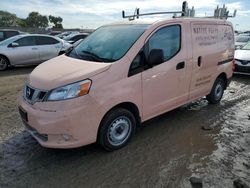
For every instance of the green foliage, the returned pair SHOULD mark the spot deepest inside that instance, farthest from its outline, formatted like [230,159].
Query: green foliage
[22,22]
[57,21]
[37,20]
[7,19]
[34,20]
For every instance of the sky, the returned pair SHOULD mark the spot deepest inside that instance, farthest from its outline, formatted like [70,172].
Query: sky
[94,13]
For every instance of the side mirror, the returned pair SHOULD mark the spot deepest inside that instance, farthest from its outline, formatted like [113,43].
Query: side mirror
[14,45]
[156,57]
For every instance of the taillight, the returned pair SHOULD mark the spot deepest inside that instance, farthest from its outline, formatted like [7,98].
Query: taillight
[233,67]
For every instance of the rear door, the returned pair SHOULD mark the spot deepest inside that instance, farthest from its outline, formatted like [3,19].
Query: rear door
[166,85]
[25,53]
[48,47]
[205,57]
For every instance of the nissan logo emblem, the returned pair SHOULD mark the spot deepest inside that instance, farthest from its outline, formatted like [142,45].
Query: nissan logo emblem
[28,92]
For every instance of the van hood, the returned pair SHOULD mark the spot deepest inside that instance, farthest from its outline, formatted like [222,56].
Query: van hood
[64,70]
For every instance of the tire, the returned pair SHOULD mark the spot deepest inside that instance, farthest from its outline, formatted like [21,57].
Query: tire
[4,63]
[217,91]
[116,129]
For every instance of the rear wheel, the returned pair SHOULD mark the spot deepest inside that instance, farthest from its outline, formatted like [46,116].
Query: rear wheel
[116,129]
[3,63]
[217,91]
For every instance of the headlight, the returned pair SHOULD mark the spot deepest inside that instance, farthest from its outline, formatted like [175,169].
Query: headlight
[70,91]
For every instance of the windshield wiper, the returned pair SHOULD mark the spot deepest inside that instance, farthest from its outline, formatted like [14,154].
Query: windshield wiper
[96,57]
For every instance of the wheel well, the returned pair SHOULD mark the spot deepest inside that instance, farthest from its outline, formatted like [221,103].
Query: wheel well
[128,106]
[224,77]
[6,58]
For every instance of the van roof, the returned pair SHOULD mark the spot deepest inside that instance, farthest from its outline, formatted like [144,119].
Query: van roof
[182,19]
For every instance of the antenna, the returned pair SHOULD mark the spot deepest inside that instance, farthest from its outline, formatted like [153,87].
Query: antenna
[219,13]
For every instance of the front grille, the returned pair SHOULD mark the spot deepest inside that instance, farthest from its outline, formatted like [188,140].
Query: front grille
[243,62]
[33,95]
[242,69]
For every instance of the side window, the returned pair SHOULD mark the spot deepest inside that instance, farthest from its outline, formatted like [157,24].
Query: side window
[168,39]
[137,64]
[42,40]
[26,41]
[1,35]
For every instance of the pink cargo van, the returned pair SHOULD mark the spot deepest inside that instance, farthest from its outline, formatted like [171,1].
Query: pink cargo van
[124,74]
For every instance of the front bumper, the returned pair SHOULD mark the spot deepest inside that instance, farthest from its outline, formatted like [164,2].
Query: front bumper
[242,69]
[62,124]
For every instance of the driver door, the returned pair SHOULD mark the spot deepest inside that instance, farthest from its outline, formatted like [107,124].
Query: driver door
[26,52]
[165,85]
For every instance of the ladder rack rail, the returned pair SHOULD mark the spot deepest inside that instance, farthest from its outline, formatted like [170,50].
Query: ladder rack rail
[219,13]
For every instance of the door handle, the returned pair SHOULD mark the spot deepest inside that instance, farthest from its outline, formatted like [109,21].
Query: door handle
[34,48]
[180,65]
[199,61]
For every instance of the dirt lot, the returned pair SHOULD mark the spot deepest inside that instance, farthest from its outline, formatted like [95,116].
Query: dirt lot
[166,152]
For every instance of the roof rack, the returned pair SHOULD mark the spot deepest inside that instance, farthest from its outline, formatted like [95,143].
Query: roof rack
[220,13]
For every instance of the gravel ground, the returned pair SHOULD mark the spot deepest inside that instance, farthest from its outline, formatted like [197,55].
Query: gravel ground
[210,142]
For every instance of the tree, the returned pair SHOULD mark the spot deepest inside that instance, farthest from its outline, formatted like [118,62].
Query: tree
[57,21]
[8,19]
[37,20]
[22,22]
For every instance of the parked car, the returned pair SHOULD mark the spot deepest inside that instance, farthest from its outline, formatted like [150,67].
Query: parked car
[242,60]
[7,33]
[124,74]
[30,49]
[65,34]
[241,40]
[53,33]
[72,38]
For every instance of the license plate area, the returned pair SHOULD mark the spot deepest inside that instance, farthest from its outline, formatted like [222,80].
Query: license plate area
[23,114]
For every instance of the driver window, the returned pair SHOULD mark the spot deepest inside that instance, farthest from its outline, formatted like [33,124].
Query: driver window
[168,39]
[26,41]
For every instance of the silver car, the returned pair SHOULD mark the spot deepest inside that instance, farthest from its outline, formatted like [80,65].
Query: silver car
[242,60]
[30,49]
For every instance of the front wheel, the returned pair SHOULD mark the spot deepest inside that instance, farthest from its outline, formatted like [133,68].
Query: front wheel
[3,63]
[116,129]
[217,91]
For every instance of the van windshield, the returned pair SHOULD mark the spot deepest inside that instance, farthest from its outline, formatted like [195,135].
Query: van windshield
[108,43]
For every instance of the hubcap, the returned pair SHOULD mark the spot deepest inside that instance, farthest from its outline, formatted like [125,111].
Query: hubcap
[119,130]
[218,91]
[3,63]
